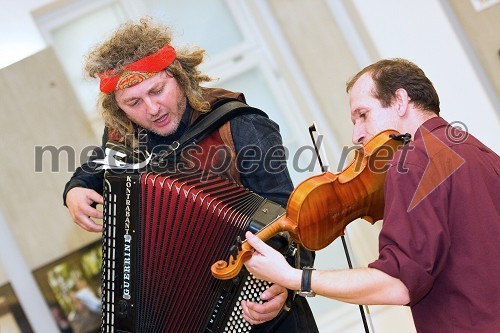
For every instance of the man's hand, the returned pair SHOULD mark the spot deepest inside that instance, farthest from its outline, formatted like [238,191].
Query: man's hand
[274,297]
[268,264]
[79,201]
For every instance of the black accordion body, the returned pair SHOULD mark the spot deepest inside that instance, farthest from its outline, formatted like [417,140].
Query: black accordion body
[162,232]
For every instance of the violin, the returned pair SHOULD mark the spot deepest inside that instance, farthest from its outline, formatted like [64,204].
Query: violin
[320,207]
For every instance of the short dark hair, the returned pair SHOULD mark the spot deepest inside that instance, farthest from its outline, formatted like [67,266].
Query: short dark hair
[391,74]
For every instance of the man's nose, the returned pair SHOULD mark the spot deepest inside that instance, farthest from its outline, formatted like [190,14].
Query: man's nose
[358,135]
[152,108]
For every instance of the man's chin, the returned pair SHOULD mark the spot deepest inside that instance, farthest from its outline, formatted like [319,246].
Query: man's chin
[163,131]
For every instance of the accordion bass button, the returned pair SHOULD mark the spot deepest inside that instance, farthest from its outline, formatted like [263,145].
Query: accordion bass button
[122,308]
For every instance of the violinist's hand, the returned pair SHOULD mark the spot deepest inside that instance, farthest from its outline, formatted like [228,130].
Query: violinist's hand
[268,264]
[79,201]
[275,297]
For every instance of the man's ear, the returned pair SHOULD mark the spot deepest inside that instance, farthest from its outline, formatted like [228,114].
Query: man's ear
[402,100]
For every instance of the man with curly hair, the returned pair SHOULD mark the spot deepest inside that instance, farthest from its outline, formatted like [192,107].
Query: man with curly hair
[148,86]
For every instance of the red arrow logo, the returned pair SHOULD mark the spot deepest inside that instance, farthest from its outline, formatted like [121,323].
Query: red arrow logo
[443,162]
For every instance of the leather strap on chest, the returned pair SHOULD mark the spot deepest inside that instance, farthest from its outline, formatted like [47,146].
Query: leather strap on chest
[206,124]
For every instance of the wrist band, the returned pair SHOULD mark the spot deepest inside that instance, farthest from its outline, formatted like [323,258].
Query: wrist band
[305,286]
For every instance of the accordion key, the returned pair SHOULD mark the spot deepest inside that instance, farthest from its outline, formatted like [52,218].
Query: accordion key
[162,232]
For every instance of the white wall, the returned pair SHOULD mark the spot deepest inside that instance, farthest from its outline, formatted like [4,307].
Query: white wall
[19,37]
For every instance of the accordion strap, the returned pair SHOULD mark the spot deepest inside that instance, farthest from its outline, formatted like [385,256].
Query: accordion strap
[222,112]
[209,122]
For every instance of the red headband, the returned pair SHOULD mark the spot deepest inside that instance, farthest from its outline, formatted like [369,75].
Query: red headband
[137,71]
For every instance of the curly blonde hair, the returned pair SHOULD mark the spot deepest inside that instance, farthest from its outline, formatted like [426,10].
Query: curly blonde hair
[131,42]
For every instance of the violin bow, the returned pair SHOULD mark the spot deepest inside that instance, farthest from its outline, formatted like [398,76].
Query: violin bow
[319,149]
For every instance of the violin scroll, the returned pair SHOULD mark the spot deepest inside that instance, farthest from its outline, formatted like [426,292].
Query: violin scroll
[225,270]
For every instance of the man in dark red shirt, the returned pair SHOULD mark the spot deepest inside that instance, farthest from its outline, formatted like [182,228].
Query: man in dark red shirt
[438,244]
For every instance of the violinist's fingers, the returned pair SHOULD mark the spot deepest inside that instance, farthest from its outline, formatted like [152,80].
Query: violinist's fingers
[258,245]
[266,263]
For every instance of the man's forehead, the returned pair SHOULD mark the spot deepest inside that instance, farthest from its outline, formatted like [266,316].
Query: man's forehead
[364,84]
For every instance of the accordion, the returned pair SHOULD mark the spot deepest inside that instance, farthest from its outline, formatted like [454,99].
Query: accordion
[162,232]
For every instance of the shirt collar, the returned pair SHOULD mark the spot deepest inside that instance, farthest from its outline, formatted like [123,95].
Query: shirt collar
[430,125]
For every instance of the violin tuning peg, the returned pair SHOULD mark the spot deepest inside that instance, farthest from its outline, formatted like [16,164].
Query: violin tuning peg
[239,243]
[233,252]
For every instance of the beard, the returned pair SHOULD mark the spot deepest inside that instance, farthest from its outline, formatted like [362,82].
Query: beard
[174,122]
